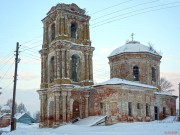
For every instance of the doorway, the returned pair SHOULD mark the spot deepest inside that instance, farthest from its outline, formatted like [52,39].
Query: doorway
[76,111]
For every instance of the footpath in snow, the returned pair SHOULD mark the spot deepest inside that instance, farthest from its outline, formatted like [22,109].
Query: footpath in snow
[165,127]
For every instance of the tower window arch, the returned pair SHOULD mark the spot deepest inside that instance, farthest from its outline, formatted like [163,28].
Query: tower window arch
[136,73]
[153,74]
[51,69]
[75,67]
[53,31]
[73,30]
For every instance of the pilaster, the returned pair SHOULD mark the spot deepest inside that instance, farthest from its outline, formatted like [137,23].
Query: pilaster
[57,100]
[58,63]
[64,111]
[63,63]
[68,107]
[86,105]
[90,67]
[87,66]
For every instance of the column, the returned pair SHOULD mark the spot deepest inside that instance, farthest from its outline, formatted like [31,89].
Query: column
[87,31]
[65,25]
[87,66]
[57,26]
[86,105]
[42,108]
[67,64]
[63,63]
[64,111]
[54,111]
[55,65]
[90,67]
[57,96]
[62,25]
[68,107]
[85,36]
[58,63]
[42,69]
[44,34]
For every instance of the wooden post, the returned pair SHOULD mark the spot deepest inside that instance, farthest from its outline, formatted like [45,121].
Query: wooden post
[13,120]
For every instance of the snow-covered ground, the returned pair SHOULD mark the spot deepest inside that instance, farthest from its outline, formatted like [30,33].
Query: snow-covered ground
[166,127]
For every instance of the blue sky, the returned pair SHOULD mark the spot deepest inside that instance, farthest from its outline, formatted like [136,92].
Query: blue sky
[21,22]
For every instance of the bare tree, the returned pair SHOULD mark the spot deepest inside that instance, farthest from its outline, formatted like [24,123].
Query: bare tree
[21,108]
[36,116]
[9,103]
[165,85]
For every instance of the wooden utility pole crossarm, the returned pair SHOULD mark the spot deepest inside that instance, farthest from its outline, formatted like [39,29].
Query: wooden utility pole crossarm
[13,121]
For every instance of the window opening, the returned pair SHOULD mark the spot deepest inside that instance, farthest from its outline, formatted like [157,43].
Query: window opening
[153,74]
[73,30]
[129,108]
[136,73]
[53,31]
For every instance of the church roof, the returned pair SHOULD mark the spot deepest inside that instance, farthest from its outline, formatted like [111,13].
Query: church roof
[118,81]
[135,47]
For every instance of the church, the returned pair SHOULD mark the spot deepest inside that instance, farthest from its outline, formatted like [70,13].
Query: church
[67,90]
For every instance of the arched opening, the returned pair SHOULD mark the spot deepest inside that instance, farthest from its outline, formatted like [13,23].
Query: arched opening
[51,70]
[136,73]
[76,110]
[53,32]
[75,67]
[73,30]
[153,74]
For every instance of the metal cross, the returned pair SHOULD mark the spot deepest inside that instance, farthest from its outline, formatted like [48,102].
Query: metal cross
[132,35]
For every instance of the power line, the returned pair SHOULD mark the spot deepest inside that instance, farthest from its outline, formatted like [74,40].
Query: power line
[111,7]
[125,9]
[134,15]
[30,48]
[6,62]
[6,72]
[31,40]
[25,46]
[31,57]
[7,85]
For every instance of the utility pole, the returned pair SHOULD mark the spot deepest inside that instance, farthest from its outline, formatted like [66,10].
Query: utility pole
[13,120]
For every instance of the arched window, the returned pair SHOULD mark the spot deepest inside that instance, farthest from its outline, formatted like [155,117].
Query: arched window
[51,69]
[53,32]
[136,73]
[153,74]
[73,30]
[75,67]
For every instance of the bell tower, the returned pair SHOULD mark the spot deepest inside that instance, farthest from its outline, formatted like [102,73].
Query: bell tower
[66,51]
[66,65]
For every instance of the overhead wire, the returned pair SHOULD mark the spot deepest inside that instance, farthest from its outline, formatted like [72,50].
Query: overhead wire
[144,3]
[110,7]
[113,20]
[6,72]
[7,85]
[6,62]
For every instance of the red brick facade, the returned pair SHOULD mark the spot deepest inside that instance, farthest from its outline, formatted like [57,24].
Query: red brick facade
[67,90]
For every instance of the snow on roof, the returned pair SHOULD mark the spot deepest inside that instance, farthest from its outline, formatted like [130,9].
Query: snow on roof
[90,121]
[5,107]
[117,81]
[164,93]
[133,46]
[4,114]
[18,115]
